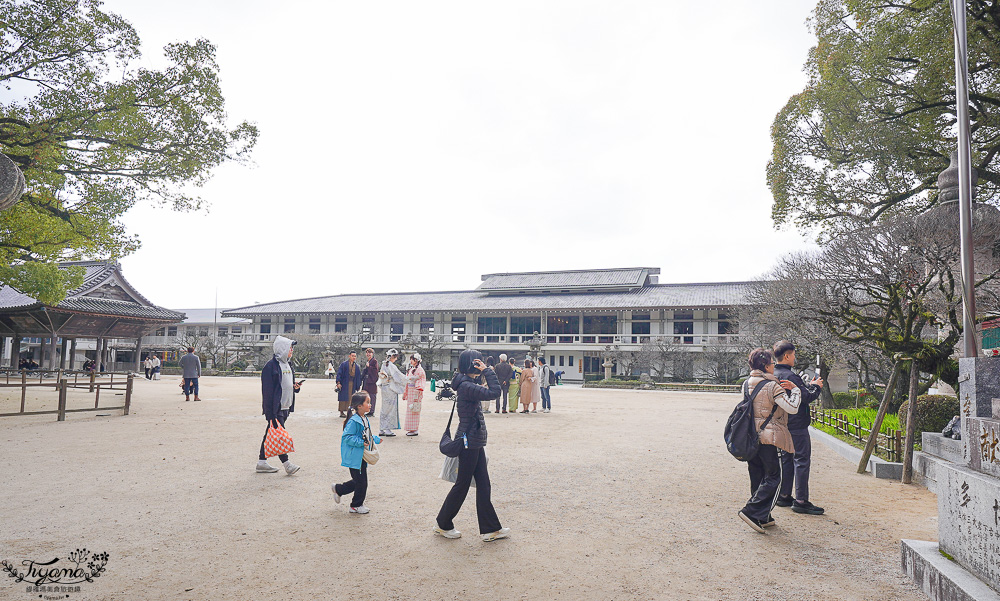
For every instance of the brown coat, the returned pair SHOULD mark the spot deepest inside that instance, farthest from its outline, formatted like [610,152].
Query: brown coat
[526,381]
[776,432]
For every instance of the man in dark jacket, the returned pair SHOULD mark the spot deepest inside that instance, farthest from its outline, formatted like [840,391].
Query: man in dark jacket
[278,388]
[350,377]
[371,378]
[504,373]
[798,427]
[472,459]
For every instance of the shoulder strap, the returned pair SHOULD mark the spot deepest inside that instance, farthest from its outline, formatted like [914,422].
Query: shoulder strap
[453,405]
[753,395]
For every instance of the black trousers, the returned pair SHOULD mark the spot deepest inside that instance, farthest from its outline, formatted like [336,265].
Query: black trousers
[502,404]
[358,484]
[471,464]
[797,464]
[281,416]
[765,481]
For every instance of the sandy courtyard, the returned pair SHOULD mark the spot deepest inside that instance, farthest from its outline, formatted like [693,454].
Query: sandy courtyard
[614,495]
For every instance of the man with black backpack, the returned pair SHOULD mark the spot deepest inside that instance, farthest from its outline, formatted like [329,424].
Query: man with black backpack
[547,379]
[771,402]
[796,465]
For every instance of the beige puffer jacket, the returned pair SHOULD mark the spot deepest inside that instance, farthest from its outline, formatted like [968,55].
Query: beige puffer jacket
[776,432]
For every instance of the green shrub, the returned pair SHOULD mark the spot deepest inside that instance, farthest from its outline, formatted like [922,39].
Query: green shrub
[934,411]
[855,398]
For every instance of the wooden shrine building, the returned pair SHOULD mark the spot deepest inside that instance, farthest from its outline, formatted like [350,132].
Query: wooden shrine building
[103,308]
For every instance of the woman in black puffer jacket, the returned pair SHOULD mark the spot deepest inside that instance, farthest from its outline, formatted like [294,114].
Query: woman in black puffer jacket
[472,459]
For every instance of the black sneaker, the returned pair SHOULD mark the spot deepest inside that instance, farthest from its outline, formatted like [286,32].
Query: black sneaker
[807,508]
[784,501]
[768,522]
[755,524]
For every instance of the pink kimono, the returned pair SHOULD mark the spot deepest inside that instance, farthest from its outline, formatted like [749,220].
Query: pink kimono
[413,397]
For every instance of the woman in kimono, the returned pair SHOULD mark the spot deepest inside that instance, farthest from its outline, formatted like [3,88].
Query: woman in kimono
[414,394]
[393,383]
[527,382]
[514,394]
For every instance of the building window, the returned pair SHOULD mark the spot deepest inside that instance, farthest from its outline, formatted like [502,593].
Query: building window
[235,330]
[171,330]
[339,325]
[562,328]
[600,324]
[161,332]
[395,328]
[203,331]
[265,325]
[367,326]
[490,329]
[684,324]
[289,325]
[640,328]
[426,327]
[314,325]
[458,331]
[223,332]
[571,360]
[561,360]
[522,328]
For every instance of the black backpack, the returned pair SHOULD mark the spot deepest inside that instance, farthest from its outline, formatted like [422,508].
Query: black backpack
[742,436]
[552,377]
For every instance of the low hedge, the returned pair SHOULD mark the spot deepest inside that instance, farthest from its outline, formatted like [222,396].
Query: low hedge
[934,411]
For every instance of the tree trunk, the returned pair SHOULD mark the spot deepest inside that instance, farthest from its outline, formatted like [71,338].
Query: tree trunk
[825,395]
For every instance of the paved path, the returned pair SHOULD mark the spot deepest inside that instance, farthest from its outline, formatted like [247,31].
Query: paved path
[614,495]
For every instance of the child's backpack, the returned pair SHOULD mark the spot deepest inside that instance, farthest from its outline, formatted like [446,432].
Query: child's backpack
[742,436]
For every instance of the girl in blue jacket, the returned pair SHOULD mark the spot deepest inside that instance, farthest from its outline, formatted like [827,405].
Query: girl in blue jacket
[352,448]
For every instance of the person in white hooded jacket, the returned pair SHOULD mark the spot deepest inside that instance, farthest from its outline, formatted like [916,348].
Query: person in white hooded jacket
[278,388]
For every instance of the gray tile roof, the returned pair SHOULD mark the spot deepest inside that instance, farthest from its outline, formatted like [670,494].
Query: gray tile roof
[657,296]
[591,278]
[95,273]
[108,306]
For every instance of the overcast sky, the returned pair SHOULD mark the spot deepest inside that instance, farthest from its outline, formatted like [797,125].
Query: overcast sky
[412,146]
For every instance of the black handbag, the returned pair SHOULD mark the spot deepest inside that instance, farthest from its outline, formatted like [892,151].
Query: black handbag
[447,446]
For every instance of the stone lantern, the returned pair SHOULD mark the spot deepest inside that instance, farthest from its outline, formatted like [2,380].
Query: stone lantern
[11,183]
[608,362]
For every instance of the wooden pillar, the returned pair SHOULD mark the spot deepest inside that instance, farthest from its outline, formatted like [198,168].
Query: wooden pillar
[3,345]
[53,351]
[65,351]
[72,355]
[137,361]
[102,351]
[15,350]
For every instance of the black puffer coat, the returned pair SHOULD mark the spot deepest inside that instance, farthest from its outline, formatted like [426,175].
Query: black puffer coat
[470,409]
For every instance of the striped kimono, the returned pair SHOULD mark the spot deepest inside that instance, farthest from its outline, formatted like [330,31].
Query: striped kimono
[413,397]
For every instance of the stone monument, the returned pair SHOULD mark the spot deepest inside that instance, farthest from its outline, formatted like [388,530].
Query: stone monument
[965,562]
[608,363]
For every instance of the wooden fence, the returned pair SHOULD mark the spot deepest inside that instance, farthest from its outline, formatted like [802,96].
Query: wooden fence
[61,381]
[888,445]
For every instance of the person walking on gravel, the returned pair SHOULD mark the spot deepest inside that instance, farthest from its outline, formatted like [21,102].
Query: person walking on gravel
[278,388]
[771,406]
[191,364]
[472,459]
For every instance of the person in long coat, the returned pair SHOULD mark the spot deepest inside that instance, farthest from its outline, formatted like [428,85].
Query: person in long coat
[528,385]
[393,383]
[350,377]
[514,393]
[413,396]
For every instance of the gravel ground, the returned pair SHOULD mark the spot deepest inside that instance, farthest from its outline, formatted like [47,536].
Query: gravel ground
[616,494]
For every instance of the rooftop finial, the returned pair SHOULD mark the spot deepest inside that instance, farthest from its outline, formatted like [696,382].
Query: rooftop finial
[948,181]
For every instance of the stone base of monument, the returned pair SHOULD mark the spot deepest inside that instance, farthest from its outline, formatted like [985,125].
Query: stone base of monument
[941,578]
[965,562]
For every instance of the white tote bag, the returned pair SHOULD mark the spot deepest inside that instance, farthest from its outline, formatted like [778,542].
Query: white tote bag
[449,471]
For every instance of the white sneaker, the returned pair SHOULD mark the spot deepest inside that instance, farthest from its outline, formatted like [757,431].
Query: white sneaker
[290,468]
[336,497]
[263,467]
[447,533]
[361,510]
[492,536]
